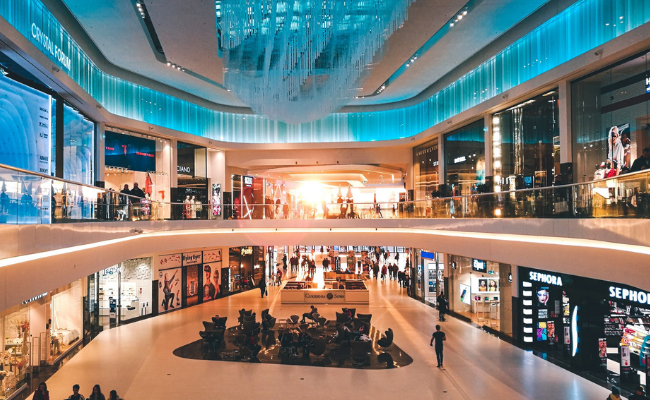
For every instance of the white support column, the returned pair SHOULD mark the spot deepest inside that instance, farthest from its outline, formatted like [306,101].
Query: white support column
[173,173]
[564,105]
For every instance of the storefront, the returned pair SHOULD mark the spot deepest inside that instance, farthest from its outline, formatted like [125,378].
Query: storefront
[465,159]
[43,134]
[596,326]
[124,292]
[40,331]
[610,118]
[192,190]
[426,170]
[480,290]
[526,144]
[429,278]
[246,267]
[131,158]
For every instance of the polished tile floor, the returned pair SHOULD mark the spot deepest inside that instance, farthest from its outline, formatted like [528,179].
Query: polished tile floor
[137,360]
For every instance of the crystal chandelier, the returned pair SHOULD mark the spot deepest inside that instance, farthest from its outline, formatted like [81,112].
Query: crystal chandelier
[298,61]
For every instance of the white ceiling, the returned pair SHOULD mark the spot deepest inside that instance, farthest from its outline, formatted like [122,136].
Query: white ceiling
[186,29]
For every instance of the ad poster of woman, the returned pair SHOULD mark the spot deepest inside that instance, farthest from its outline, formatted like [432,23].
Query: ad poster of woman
[619,147]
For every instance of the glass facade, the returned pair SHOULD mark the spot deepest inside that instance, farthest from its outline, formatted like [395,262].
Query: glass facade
[78,147]
[425,170]
[525,144]
[465,159]
[553,43]
[611,117]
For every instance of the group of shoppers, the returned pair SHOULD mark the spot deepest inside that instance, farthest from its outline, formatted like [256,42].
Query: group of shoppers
[43,394]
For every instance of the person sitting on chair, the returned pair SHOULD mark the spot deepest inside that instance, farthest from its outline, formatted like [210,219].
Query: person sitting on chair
[309,314]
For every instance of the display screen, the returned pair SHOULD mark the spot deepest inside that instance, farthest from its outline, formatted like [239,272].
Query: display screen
[479,265]
[131,152]
[465,294]
[25,119]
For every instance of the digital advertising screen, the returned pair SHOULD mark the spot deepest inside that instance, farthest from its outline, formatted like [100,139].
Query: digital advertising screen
[131,152]
[465,294]
[25,116]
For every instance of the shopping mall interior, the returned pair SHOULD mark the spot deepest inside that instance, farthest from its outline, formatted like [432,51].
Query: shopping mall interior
[198,195]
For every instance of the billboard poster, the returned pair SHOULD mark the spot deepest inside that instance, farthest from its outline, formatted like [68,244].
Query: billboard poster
[619,147]
[210,256]
[625,358]
[602,351]
[211,281]
[169,289]
[169,261]
[192,285]
[25,116]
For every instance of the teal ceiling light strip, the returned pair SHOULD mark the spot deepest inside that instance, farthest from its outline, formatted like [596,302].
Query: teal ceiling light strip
[578,29]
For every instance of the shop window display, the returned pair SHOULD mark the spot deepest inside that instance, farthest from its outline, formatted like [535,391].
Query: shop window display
[597,326]
[465,159]
[15,356]
[192,188]
[426,170]
[130,158]
[474,289]
[525,144]
[66,321]
[610,119]
[125,290]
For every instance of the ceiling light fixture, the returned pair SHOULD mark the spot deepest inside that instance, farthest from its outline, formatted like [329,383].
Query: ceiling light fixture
[281,58]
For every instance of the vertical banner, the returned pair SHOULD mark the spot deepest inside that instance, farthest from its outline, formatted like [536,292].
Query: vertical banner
[169,289]
[625,358]
[602,352]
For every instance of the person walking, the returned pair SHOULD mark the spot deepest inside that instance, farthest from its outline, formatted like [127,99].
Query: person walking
[615,395]
[442,306]
[41,393]
[75,394]
[97,394]
[262,286]
[439,337]
[113,395]
[639,394]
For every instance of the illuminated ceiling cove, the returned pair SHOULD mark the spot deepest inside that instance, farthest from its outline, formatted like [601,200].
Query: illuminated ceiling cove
[299,61]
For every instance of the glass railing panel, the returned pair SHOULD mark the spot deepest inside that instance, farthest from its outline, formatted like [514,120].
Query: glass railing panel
[30,198]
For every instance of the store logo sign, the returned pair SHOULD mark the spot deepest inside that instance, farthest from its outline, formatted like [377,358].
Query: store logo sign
[629,295]
[647,85]
[47,44]
[545,278]
[182,169]
[40,296]
[459,159]
[479,265]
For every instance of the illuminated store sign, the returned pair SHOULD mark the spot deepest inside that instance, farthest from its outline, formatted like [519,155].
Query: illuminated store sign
[479,265]
[50,47]
[630,295]
[459,159]
[647,85]
[40,296]
[545,278]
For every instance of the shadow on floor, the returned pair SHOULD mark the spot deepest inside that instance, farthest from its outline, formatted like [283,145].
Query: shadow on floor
[338,355]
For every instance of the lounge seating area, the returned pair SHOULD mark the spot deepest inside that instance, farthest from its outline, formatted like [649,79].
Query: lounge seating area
[347,341]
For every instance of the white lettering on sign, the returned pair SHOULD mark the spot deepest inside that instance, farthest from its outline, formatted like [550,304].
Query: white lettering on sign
[635,296]
[185,170]
[545,278]
[50,47]
[459,159]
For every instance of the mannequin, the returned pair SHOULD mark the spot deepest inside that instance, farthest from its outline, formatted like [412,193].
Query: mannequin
[187,213]
[193,207]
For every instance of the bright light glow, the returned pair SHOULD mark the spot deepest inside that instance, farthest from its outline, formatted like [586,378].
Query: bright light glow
[528,339]
[528,320]
[497,212]
[497,164]
[574,331]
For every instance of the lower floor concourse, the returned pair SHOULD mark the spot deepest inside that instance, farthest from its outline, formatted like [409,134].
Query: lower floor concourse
[137,359]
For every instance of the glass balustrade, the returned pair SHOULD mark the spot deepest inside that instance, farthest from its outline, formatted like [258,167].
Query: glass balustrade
[31,198]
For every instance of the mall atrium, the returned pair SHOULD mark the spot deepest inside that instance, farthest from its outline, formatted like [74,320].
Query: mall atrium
[208,199]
